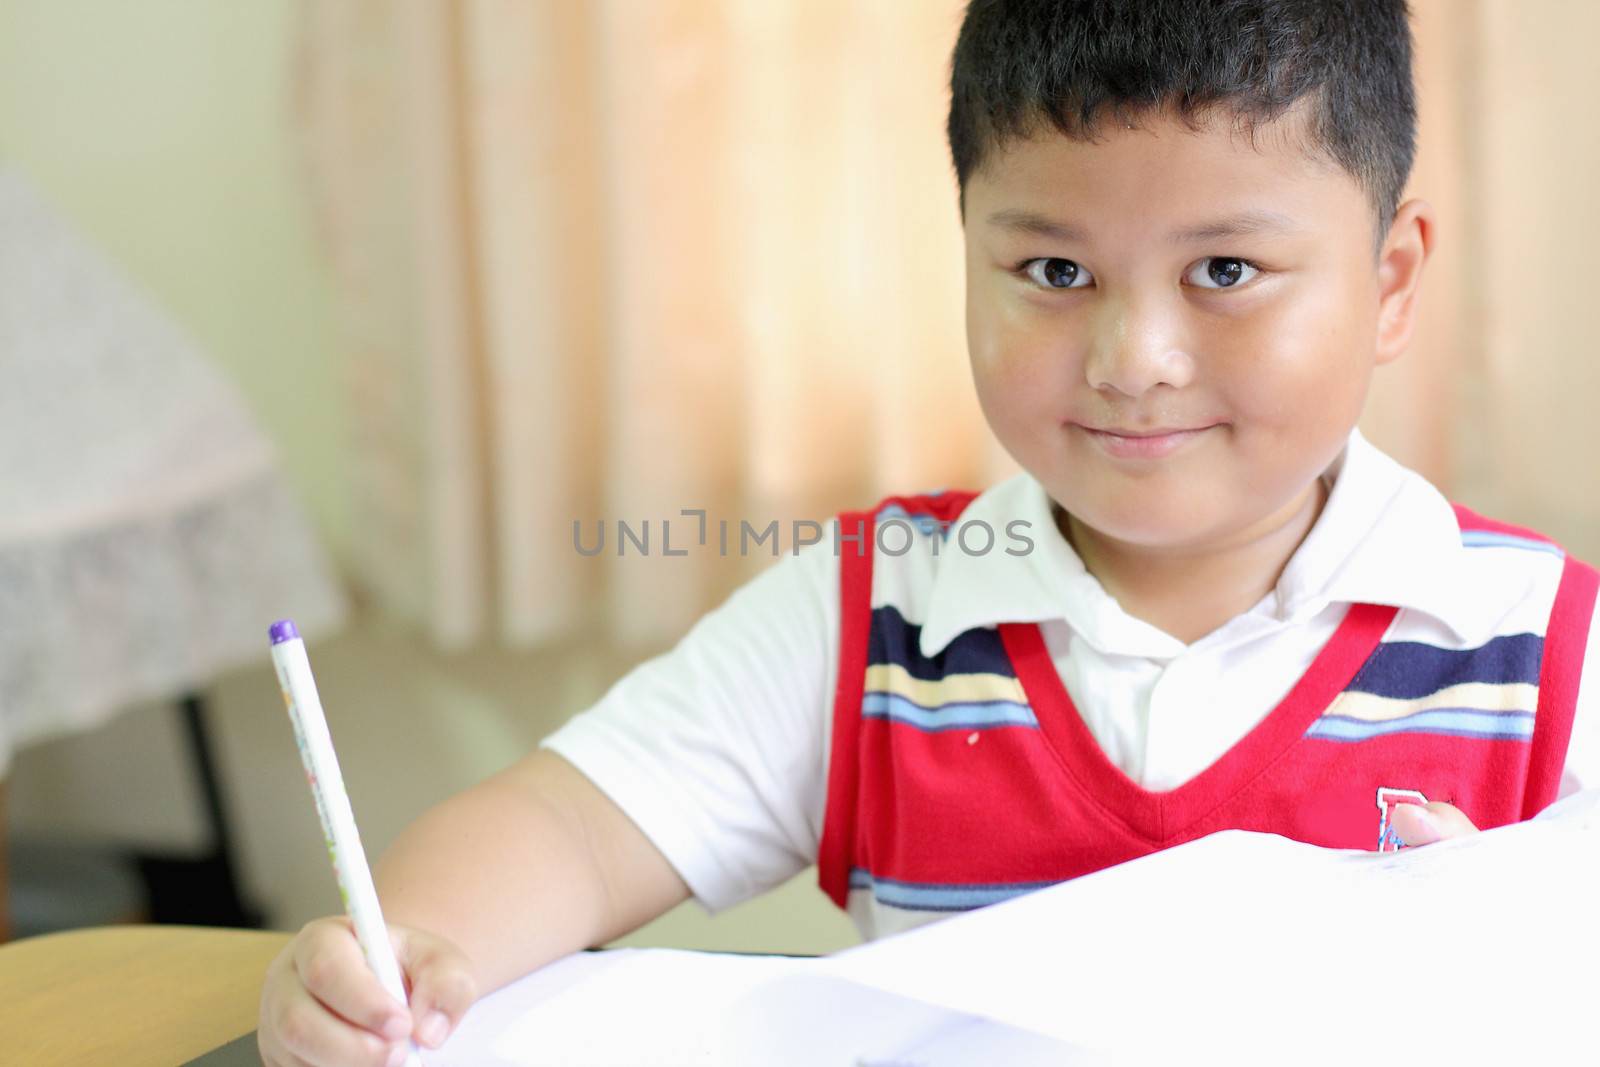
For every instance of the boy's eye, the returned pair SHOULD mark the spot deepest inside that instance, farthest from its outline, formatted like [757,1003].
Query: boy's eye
[1222,272]
[1055,273]
[1213,272]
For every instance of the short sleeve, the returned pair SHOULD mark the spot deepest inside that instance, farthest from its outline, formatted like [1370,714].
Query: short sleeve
[1582,769]
[717,750]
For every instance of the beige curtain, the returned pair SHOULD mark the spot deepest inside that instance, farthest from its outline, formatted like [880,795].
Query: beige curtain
[615,260]
[1495,399]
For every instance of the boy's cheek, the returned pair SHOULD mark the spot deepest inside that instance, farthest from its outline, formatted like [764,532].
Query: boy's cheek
[1022,387]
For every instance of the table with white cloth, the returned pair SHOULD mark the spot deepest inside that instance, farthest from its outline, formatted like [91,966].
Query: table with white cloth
[147,537]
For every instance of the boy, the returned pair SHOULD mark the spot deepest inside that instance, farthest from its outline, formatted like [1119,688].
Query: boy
[1207,604]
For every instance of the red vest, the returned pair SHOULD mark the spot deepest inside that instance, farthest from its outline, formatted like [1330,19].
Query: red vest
[925,812]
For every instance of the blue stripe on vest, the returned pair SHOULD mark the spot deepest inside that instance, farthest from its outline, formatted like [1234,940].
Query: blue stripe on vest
[921,521]
[1408,670]
[952,716]
[930,896]
[893,640]
[1490,539]
[1451,722]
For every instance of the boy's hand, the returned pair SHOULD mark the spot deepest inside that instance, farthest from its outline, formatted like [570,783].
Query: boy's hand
[322,1006]
[1418,824]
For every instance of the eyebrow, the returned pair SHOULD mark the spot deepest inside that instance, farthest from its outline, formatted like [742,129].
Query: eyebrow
[1242,224]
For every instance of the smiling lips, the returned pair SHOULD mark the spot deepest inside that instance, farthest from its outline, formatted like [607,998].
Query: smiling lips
[1142,444]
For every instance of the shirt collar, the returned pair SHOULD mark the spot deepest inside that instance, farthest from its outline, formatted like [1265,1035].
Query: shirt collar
[1032,575]
[1385,536]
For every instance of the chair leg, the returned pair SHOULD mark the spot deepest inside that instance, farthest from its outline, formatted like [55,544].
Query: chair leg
[5,871]
[201,890]
[193,707]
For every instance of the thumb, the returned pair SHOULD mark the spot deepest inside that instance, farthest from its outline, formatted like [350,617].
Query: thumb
[442,983]
[1419,824]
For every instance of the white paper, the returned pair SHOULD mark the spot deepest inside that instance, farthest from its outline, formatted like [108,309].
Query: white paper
[1251,943]
[1242,947]
[624,1006]
[661,1006]
[814,1020]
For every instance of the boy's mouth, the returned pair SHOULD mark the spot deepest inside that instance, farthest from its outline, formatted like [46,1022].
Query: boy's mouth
[1122,443]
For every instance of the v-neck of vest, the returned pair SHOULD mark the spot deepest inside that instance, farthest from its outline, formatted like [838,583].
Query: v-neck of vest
[1160,817]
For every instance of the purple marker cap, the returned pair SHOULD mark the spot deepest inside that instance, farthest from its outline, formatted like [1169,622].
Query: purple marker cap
[283,630]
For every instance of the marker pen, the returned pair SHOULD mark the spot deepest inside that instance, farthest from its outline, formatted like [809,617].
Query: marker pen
[333,807]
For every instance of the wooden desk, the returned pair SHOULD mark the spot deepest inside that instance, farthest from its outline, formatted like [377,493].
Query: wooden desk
[135,996]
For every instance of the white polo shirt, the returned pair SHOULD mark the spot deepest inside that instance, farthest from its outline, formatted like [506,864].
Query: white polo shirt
[718,750]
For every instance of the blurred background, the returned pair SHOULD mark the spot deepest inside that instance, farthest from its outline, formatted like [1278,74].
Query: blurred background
[410,287]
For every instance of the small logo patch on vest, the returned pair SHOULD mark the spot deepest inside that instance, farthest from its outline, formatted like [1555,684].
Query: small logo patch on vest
[1388,800]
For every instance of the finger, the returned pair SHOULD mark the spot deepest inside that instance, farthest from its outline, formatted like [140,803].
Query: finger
[332,968]
[299,1030]
[272,1056]
[442,985]
[1418,824]
[279,979]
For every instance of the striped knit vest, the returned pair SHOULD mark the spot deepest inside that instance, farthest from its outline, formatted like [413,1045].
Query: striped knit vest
[965,778]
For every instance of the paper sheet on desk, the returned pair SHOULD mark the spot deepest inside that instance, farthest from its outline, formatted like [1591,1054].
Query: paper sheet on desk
[1245,946]
[1253,942]
[622,1006]
[664,1007]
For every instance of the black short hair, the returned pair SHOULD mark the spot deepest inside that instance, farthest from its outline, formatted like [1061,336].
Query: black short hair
[1019,64]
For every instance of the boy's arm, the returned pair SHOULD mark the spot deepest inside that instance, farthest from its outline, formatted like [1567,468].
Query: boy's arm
[716,748]
[527,867]
[531,865]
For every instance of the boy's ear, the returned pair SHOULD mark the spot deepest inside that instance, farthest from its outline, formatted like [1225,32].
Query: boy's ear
[1400,262]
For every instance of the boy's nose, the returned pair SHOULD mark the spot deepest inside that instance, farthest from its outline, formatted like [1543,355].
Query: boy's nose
[1135,350]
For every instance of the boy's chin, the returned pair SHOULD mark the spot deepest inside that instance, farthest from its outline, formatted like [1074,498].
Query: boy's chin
[1154,528]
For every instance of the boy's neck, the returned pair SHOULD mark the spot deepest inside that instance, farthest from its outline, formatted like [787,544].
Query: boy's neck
[1189,592]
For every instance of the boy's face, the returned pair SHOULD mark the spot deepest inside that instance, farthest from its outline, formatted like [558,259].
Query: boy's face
[1172,390]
